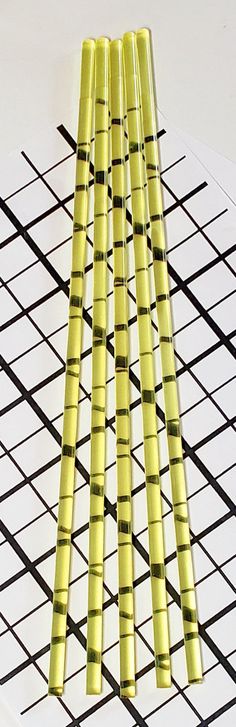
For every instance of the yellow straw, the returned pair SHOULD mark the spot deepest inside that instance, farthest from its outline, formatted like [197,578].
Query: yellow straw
[186,578]
[123,457]
[155,529]
[96,521]
[65,510]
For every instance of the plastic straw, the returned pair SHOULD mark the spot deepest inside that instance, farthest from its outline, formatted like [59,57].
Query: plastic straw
[155,529]
[123,457]
[65,510]
[96,522]
[186,578]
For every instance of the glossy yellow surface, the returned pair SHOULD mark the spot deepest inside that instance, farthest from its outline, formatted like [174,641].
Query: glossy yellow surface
[98,399]
[123,459]
[186,577]
[65,510]
[154,510]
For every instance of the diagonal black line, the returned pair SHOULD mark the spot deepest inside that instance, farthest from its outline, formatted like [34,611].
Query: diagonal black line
[30,660]
[34,389]
[49,211]
[46,171]
[215,433]
[209,529]
[198,317]
[92,710]
[216,617]
[208,476]
[30,308]
[195,223]
[36,408]
[201,227]
[204,354]
[36,262]
[221,474]
[200,308]
[44,338]
[185,198]
[33,476]
[46,183]
[211,264]
[33,246]
[44,298]
[67,136]
[207,395]
[167,169]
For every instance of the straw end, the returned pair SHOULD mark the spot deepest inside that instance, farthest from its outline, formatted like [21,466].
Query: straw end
[55,691]
[143,33]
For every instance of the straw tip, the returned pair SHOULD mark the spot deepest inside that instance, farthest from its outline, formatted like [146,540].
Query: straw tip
[199,680]
[103,41]
[88,43]
[129,36]
[116,43]
[143,33]
[55,691]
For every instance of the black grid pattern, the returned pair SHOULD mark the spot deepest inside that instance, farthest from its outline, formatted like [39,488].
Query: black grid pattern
[35,254]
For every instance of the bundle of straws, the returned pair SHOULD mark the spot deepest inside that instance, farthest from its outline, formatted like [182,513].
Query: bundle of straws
[117,87]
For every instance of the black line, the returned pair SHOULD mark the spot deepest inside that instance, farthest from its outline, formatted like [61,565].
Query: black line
[33,246]
[185,198]
[30,660]
[211,264]
[36,408]
[28,184]
[67,136]
[195,223]
[201,227]
[46,183]
[200,308]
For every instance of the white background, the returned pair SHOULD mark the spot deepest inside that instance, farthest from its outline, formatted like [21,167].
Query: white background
[195,56]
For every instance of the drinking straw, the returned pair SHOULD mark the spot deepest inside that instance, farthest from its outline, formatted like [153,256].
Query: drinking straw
[155,529]
[185,567]
[97,463]
[123,457]
[65,510]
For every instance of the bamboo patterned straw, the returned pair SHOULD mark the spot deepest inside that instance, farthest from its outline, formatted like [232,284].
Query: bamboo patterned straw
[155,529]
[96,521]
[65,510]
[123,457]
[186,578]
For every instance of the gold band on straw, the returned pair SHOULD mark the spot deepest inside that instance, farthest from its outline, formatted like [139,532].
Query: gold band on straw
[155,529]
[98,399]
[186,578]
[65,510]
[123,457]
